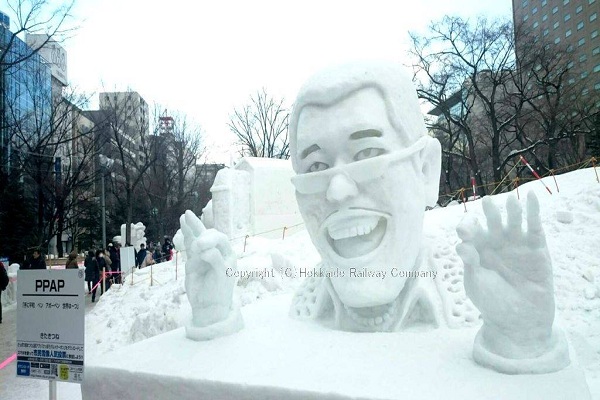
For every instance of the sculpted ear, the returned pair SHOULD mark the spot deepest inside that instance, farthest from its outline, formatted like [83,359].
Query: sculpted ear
[431,164]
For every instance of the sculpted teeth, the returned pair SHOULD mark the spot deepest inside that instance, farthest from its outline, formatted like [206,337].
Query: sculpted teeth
[360,230]
[373,321]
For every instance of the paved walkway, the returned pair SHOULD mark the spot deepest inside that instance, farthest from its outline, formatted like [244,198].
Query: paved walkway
[13,388]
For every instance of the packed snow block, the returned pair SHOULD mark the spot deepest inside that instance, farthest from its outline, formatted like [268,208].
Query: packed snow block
[276,357]
[256,197]
[231,203]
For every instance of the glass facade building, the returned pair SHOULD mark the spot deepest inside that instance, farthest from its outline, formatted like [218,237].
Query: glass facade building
[25,96]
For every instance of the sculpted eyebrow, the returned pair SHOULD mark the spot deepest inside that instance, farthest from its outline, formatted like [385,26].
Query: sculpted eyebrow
[365,134]
[309,150]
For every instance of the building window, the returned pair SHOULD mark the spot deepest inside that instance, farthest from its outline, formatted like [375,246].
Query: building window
[525,17]
[585,92]
[534,10]
[571,81]
[593,17]
[565,2]
[556,24]
[545,1]
[594,34]
[580,26]
[570,64]
[568,33]
[578,9]
[591,1]
[581,42]
[582,58]
[557,40]
[596,51]
[545,32]
[525,3]
[584,74]
[567,17]
[555,10]
[597,68]
[535,24]
[597,86]
[545,17]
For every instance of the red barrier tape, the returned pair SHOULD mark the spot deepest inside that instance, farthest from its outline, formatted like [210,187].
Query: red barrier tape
[8,360]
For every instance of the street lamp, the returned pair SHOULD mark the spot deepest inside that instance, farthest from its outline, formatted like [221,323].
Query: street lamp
[105,164]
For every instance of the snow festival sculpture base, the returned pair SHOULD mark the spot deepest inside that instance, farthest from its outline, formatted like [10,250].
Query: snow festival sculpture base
[276,357]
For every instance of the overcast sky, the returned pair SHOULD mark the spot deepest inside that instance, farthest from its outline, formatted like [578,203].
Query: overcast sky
[204,58]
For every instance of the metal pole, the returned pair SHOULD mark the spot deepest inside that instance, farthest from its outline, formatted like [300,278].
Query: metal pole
[103,213]
[52,390]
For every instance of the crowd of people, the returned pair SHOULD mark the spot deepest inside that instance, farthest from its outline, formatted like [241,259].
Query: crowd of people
[106,263]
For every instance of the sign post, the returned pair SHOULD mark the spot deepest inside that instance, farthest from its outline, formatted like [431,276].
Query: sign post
[50,325]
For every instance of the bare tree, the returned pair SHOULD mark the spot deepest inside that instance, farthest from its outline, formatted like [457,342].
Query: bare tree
[123,123]
[173,181]
[464,70]
[50,155]
[34,17]
[261,127]
[490,109]
[558,110]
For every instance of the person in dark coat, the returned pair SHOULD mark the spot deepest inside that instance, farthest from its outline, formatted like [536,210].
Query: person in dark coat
[92,273]
[72,260]
[102,267]
[141,256]
[3,284]
[36,262]
[116,262]
[166,249]
[157,254]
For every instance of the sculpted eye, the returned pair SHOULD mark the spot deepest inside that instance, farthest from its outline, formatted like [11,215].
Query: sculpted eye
[368,153]
[317,166]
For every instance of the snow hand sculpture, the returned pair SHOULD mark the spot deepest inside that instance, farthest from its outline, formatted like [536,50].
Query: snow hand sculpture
[209,288]
[508,276]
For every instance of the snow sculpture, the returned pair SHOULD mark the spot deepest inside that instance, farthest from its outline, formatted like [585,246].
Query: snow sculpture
[137,235]
[178,242]
[209,280]
[366,169]
[508,276]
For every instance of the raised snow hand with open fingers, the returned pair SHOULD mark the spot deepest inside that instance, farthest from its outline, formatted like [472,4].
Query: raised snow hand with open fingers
[209,288]
[508,276]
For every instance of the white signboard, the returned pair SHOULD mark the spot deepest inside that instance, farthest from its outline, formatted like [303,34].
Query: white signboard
[50,324]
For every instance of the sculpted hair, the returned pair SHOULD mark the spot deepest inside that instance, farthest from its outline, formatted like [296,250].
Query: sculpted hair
[333,85]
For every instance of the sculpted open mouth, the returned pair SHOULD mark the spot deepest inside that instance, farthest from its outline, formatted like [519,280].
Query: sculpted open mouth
[355,233]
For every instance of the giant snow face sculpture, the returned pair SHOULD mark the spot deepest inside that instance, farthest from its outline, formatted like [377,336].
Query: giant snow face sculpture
[362,195]
[366,172]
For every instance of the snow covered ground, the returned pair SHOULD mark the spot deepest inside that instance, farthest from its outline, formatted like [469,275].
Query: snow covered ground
[138,310]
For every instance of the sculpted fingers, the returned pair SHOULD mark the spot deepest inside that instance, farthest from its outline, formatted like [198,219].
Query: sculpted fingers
[188,235]
[471,261]
[535,232]
[469,255]
[214,258]
[193,222]
[494,220]
[469,229]
[514,218]
[215,239]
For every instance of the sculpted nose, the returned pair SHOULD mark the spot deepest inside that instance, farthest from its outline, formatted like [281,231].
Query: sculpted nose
[341,188]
